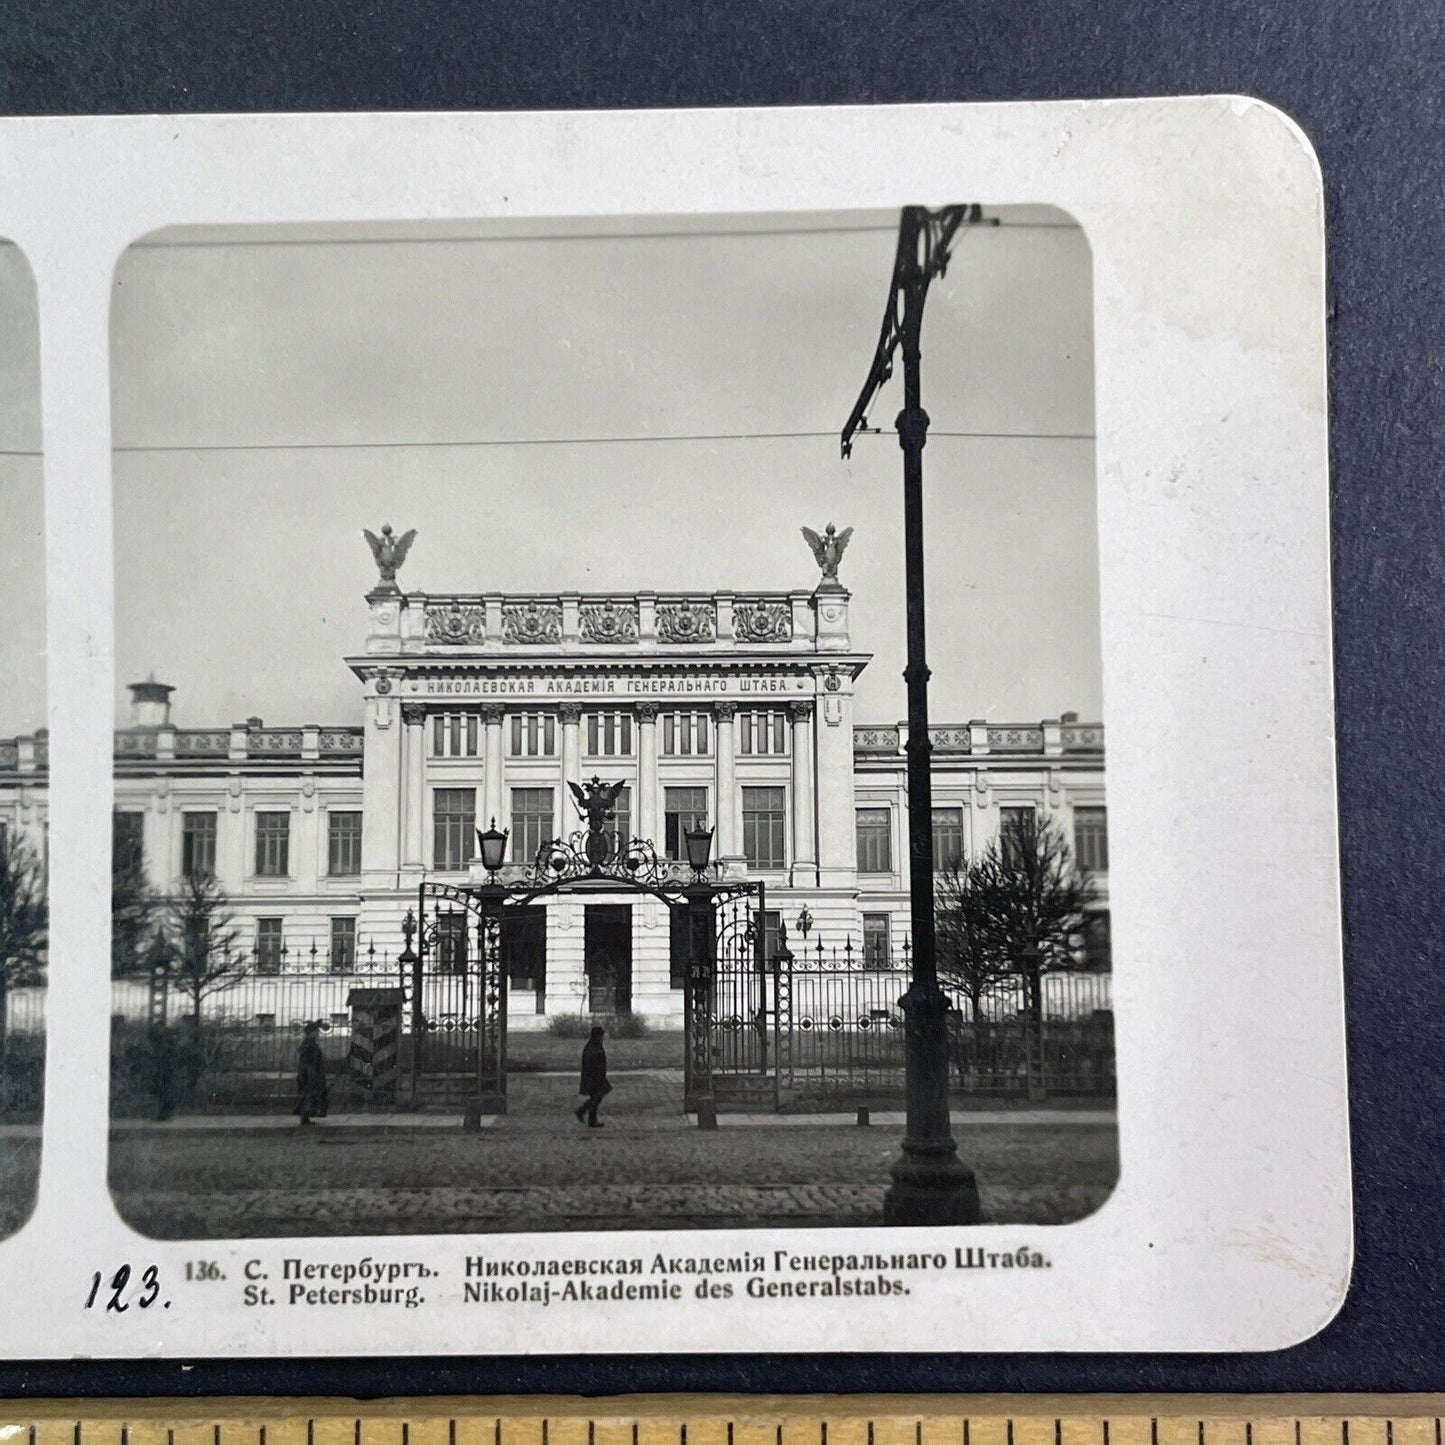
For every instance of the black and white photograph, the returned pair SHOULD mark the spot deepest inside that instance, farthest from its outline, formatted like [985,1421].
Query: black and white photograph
[24,747]
[522,816]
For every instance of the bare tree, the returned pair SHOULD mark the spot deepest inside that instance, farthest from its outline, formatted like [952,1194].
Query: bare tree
[1035,908]
[198,944]
[24,922]
[972,956]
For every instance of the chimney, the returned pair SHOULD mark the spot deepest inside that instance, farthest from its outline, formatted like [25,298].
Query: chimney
[150,703]
[1068,717]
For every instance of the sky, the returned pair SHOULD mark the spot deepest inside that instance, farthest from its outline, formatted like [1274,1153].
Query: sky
[583,405]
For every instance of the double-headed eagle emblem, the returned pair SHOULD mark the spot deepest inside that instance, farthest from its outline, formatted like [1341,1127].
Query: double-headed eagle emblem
[828,549]
[389,551]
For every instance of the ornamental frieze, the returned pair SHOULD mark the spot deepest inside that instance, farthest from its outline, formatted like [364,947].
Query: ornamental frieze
[762,621]
[1024,740]
[213,742]
[456,622]
[685,622]
[606,622]
[532,623]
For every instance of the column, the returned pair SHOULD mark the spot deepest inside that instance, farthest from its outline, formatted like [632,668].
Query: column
[803,850]
[494,808]
[727,843]
[649,820]
[571,714]
[413,761]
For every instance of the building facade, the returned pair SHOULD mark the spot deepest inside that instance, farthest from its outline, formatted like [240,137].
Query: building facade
[728,710]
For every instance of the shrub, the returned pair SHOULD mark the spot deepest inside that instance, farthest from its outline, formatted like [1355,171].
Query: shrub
[579,1026]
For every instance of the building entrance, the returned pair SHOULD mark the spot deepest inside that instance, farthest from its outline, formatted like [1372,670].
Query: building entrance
[607,956]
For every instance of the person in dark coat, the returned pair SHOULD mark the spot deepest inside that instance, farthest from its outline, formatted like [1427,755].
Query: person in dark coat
[311,1076]
[594,1079]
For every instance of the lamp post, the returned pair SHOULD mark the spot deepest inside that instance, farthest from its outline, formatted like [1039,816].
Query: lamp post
[931,1185]
[697,843]
[492,849]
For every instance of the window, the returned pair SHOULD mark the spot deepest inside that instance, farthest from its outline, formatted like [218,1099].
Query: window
[947,838]
[127,857]
[772,933]
[684,811]
[531,822]
[343,844]
[877,952]
[1097,949]
[451,944]
[524,949]
[609,734]
[1091,840]
[533,735]
[686,734]
[762,734]
[1014,828]
[455,735]
[273,845]
[622,818]
[764,828]
[343,944]
[198,845]
[454,818]
[875,841]
[269,948]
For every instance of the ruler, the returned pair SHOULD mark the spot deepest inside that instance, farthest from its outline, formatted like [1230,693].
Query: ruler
[739,1420]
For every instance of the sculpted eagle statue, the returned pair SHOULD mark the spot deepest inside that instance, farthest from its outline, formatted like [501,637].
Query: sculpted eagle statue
[596,801]
[389,551]
[828,549]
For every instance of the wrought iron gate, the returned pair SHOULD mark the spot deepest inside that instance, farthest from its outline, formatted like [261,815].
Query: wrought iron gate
[735,1009]
[455,1003]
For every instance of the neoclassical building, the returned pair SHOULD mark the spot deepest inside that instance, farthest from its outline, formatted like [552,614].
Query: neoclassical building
[731,710]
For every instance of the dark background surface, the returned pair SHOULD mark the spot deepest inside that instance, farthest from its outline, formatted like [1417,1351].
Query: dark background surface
[1365,80]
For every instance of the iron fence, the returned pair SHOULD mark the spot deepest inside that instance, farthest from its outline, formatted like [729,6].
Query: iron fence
[241,1048]
[840,1033]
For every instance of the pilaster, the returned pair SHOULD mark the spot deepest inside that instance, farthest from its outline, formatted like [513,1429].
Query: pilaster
[413,716]
[804,817]
[493,809]
[648,819]
[381,782]
[837,837]
[728,843]
[571,715]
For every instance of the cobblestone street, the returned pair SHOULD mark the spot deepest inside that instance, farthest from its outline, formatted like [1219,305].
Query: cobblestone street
[536,1168]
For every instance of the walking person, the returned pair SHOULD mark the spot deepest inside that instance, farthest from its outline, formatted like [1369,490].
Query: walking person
[594,1079]
[311,1076]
